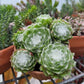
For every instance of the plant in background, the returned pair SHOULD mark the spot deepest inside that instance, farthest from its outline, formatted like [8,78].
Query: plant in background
[28,16]
[34,8]
[56,60]
[18,23]
[31,14]
[66,10]
[7,15]
[76,25]
[7,9]
[74,5]
[49,8]
[77,6]
[23,6]
[27,12]
[80,6]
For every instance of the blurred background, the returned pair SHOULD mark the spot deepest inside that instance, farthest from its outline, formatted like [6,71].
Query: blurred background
[14,2]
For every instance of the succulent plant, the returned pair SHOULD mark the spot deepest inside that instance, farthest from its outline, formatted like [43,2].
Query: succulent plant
[45,19]
[36,38]
[61,30]
[23,61]
[56,60]
[18,39]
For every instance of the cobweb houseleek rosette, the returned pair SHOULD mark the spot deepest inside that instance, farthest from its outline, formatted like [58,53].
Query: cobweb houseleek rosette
[61,30]
[56,60]
[37,38]
[45,19]
[23,61]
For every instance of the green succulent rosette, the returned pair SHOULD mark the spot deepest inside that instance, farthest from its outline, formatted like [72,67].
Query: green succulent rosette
[37,38]
[56,60]
[18,39]
[23,61]
[61,30]
[45,19]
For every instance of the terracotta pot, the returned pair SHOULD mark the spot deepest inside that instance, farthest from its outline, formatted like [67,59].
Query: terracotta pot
[76,45]
[38,75]
[5,58]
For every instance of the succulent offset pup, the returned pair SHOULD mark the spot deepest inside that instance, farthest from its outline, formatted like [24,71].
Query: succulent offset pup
[45,19]
[61,30]
[23,61]
[56,60]
[18,39]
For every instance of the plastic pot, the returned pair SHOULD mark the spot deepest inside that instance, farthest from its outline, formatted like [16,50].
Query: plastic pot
[5,58]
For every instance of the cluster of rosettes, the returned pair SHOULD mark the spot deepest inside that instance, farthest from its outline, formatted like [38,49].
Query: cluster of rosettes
[55,58]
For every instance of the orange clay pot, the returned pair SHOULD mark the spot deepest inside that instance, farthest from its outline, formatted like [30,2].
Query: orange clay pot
[76,45]
[5,58]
